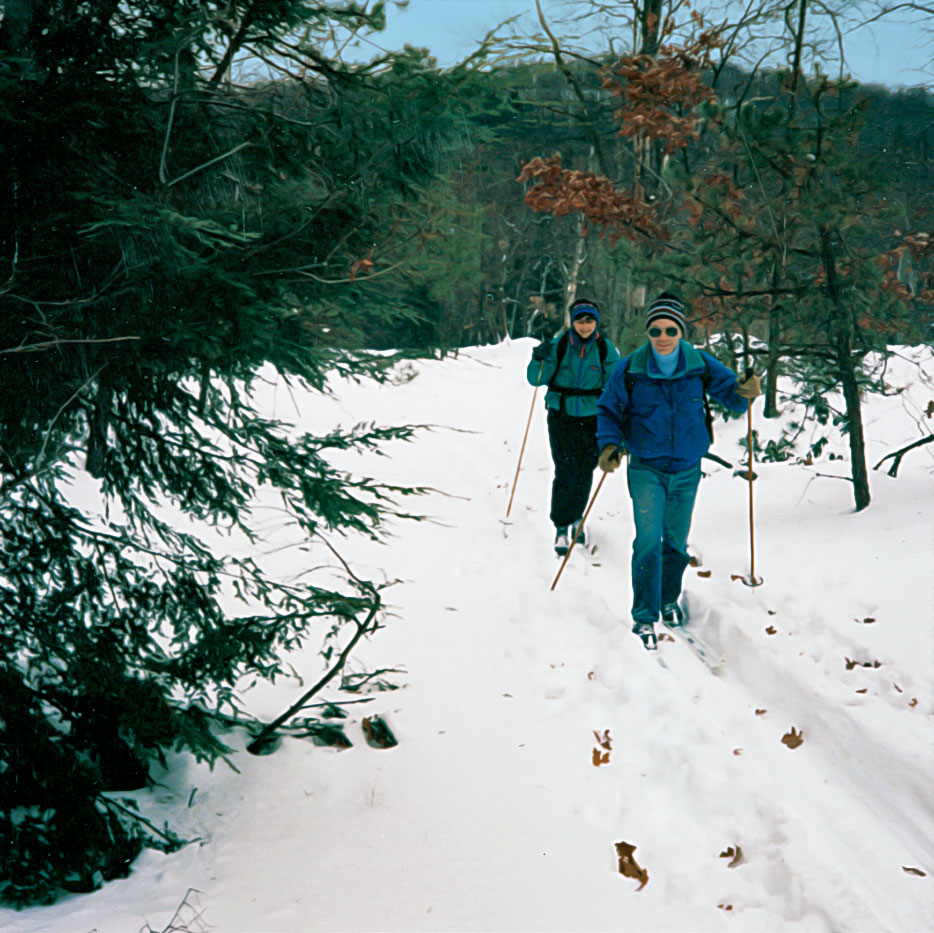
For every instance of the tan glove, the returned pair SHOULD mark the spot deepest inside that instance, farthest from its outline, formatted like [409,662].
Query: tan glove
[748,386]
[610,458]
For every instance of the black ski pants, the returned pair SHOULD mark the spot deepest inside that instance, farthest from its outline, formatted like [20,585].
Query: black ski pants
[575,455]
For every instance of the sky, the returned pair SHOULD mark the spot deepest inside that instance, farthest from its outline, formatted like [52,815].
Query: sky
[783,786]
[895,52]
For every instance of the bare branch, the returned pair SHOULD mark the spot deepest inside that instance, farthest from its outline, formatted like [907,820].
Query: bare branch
[49,344]
[898,454]
[210,162]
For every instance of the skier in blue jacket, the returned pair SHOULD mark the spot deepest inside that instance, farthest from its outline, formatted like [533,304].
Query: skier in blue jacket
[575,365]
[654,406]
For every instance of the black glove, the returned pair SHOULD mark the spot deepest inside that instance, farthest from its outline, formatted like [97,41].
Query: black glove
[541,352]
[611,457]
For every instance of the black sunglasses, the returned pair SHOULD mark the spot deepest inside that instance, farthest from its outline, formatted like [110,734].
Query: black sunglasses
[669,331]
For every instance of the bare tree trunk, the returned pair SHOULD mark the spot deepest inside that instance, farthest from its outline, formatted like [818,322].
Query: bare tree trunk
[574,277]
[842,333]
[770,409]
[796,60]
[650,21]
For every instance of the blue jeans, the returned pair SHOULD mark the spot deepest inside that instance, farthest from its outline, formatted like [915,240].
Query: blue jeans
[662,504]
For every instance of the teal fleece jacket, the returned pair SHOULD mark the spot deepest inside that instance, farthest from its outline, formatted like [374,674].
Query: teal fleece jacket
[580,369]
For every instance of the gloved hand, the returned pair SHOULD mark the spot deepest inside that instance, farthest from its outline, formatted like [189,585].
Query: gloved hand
[748,386]
[611,457]
[541,352]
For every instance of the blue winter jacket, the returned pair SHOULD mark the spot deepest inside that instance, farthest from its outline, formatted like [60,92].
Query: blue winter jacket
[580,369]
[664,422]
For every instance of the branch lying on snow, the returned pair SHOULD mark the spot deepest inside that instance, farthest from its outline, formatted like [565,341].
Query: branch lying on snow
[898,454]
[185,915]
[363,628]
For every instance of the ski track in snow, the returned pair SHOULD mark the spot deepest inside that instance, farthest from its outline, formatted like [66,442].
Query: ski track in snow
[490,814]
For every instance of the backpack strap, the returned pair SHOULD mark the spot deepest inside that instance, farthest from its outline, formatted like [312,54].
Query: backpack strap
[560,351]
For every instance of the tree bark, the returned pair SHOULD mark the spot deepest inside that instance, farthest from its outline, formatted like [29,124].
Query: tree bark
[650,23]
[576,264]
[770,409]
[841,326]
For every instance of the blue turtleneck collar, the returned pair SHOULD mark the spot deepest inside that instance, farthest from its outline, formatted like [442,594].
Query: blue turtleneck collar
[667,364]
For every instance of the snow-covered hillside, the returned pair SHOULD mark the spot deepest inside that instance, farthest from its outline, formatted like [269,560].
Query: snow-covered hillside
[491,813]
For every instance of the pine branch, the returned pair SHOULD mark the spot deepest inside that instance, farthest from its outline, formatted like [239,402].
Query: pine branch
[363,628]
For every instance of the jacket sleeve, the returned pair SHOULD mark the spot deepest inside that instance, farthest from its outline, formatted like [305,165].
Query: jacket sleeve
[612,407]
[539,374]
[722,386]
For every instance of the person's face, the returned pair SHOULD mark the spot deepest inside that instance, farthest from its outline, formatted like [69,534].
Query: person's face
[663,334]
[584,325]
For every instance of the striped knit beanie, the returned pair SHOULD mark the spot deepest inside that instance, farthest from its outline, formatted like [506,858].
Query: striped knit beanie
[667,305]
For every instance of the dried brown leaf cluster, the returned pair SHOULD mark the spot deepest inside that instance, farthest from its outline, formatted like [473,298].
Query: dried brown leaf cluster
[918,249]
[658,94]
[562,191]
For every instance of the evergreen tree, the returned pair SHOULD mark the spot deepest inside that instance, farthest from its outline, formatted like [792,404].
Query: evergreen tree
[166,230]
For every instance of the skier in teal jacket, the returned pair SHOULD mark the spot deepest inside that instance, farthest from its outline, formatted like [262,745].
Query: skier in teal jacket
[575,365]
[654,406]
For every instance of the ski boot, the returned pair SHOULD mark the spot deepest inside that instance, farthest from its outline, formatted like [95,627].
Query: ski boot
[646,631]
[581,537]
[673,615]
[562,542]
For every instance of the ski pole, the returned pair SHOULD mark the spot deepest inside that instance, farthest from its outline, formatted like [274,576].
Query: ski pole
[580,527]
[752,581]
[525,437]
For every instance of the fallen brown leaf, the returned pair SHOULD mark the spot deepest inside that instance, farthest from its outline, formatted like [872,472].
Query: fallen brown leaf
[664,636]
[914,871]
[761,712]
[850,664]
[793,739]
[913,701]
[704,573]
[863,690]
[734,854]
[604,741]
[600,758]
[628,866]
[737,752]
[725,906]
[737,576]
[771,630]
[896,686]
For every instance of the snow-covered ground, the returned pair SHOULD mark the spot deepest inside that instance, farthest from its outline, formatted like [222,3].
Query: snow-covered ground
[491,813]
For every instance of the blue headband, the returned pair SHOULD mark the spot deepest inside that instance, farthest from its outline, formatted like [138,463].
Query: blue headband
[578,310]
